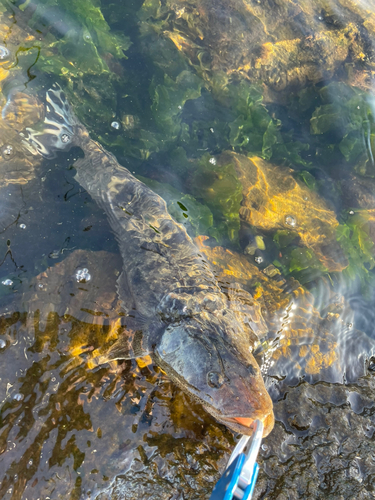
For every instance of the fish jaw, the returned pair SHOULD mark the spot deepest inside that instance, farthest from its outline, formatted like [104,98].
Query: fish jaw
[245,424]
[256,405]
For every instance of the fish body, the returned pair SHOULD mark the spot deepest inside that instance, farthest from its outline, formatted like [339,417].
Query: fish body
[184,320]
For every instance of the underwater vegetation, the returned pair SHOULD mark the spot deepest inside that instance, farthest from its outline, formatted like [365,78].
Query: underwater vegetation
[255,122]
[69,41]
[199,91]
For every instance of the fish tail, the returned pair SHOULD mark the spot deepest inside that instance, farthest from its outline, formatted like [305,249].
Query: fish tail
[60,128]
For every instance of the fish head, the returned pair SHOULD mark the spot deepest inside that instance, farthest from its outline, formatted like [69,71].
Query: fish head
[204,365]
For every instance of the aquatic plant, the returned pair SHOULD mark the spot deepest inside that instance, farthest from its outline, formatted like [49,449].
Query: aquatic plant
[71,42]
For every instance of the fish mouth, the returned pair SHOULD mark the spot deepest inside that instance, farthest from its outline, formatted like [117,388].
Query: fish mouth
[246,423]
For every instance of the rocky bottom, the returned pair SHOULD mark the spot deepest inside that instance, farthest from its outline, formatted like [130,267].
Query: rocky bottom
[322,447]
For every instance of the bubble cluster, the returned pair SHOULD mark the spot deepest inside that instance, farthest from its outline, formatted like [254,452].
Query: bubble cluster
[290,220]
[4,53]
[213,161]
[18,396]
[258,259]
[7,152]
[83,275]
[65,138]
[7,282]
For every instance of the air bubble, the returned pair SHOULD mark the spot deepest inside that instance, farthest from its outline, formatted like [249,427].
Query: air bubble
[3,344]
[115,125]
[4,53]
[7,152]
[18,397]
[65,138]
[7,282]
[290,220]
[258,259]
[264,447]
[83,275]
[23,226]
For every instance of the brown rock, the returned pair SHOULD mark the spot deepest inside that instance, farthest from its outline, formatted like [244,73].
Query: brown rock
[280,44]
[303,337]
[273,200]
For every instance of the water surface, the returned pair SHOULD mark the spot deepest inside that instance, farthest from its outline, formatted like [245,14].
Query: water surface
[255,122]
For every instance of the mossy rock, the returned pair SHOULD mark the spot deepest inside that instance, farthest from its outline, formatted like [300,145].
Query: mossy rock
[274,200]
[284,44]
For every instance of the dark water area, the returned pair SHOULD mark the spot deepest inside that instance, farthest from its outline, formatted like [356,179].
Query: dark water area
[254,121]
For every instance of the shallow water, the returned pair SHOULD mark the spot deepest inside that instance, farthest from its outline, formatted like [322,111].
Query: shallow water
[255,122]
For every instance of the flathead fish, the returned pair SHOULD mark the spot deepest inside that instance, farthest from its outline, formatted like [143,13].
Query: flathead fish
[176,310]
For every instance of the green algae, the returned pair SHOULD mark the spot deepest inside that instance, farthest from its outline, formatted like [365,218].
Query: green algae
[183,207]
[72,43]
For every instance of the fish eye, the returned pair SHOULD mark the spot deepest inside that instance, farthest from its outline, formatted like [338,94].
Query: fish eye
[215,380]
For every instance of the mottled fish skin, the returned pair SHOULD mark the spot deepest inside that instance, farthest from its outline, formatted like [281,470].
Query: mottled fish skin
[186,323]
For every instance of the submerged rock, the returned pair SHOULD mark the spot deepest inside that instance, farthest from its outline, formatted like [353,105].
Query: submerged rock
[17,165]
[300,335]
[152,439]
[273,200]
[281,45]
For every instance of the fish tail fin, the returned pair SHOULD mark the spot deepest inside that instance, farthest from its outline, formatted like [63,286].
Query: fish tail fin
[60,129]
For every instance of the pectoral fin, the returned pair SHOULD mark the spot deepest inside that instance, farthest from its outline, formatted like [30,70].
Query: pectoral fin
[130,343]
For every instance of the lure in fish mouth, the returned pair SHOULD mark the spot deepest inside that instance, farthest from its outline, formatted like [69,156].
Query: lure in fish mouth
[186,324]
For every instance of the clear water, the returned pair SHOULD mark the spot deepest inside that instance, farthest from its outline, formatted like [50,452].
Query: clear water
[184,94]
